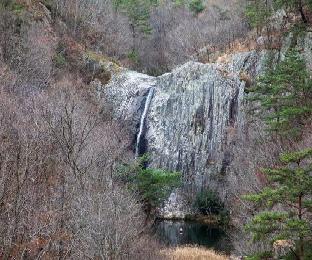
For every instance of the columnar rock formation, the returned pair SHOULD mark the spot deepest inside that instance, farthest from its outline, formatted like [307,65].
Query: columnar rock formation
[191,114]
[193,117]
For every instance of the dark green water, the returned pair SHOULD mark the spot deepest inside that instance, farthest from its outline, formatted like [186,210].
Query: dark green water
[176,233]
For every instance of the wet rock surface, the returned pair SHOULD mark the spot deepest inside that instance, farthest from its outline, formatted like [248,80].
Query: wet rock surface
[193,112]
[193,118]
[176,207]
[126,93]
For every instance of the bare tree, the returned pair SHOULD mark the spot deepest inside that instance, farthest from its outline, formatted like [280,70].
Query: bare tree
[57,193]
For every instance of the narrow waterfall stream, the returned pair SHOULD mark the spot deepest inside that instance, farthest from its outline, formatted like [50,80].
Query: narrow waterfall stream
[142,120]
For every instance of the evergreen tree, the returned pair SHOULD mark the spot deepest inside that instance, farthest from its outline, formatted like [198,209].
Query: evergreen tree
[290,187]
[258,13]
[196,6]
[138,12]
[284,94]
[152,185]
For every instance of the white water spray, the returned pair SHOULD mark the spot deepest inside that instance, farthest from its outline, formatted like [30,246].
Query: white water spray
[143,117]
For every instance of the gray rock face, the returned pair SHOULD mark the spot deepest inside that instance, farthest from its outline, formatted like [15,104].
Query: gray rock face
[190,119]
[175,207]
[193,117]
[305,43]
[127,92]
[193,110]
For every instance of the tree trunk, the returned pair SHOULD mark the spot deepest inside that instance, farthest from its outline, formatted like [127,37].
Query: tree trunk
[300,9]
[301,248]
[62,221]
[133,38]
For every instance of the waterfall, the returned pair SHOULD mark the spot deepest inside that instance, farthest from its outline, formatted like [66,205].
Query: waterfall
[142,120]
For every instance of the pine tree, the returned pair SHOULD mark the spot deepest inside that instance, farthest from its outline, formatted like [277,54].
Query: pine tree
[138,12]
[284,94]
[258,13]
[152,185]
[196,6]
[290,187]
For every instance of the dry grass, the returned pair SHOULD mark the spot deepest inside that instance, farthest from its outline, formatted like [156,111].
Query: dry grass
[191,252]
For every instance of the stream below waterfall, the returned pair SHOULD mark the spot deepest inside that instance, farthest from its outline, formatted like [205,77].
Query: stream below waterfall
[178,233]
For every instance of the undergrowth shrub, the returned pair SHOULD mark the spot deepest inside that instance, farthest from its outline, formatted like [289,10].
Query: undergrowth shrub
[196,6]
[207,202]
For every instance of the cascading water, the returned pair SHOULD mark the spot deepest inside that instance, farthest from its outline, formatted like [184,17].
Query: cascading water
[142,120]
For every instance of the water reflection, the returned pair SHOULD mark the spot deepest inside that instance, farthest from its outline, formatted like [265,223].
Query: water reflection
[174,233]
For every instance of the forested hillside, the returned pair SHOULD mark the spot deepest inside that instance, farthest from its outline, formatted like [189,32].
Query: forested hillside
[122,117]
[152,36]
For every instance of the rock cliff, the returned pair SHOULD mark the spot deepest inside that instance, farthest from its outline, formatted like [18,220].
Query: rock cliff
[192,112]
[192,118]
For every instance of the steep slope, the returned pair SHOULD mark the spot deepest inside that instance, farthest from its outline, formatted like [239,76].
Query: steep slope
[194,117]
[193,111]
